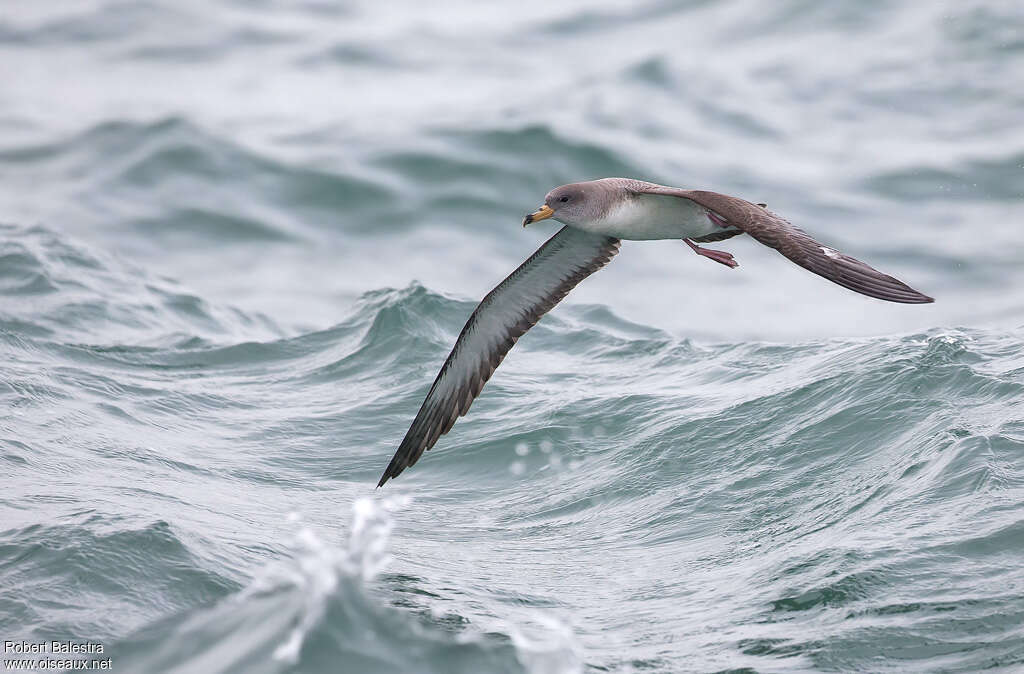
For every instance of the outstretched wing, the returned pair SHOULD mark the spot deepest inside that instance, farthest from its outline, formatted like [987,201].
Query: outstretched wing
[798,246]
[499,320]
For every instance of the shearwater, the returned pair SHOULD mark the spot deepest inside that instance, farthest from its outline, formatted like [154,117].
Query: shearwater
[598,215]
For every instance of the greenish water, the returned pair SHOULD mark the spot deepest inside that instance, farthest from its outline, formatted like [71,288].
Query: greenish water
[239,239]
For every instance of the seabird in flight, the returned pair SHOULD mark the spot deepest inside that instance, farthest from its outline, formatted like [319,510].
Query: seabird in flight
[598,214]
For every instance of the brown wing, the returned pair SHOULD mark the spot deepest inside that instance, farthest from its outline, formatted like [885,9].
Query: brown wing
[798,246]
[717,236]
[501,318]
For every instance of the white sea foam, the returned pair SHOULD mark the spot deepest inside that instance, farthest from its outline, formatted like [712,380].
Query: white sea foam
[318,566]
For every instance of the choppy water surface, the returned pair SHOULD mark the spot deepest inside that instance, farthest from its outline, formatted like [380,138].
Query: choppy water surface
[238,240]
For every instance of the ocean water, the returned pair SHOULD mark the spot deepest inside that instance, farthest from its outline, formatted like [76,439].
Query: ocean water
[238,239]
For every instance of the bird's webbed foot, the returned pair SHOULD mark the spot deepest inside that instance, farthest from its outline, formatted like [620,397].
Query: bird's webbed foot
[719,256]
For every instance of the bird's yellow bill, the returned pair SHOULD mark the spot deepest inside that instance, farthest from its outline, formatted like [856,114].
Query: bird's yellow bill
[542,213]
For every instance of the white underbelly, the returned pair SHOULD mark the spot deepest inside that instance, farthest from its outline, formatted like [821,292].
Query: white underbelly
[655,216]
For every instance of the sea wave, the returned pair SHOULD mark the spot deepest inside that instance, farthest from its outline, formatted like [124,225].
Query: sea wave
[316,608]
[786,484]
[243,237]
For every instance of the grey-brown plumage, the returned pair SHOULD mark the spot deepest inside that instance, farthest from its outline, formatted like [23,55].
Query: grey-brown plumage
[597,214]
[798,246]
[503,316]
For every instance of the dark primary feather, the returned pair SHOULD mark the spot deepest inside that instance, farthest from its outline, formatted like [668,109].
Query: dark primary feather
[501,318]
[798,246]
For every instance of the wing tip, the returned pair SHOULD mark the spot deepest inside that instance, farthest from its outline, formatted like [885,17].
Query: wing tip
[911,296]
[391,472]
[901,298]
[907,295]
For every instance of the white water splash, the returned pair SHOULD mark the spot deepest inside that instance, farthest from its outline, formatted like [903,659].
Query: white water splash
[547,645]
[318,567]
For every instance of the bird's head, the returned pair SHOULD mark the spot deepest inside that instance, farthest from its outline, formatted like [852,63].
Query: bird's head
[569,204]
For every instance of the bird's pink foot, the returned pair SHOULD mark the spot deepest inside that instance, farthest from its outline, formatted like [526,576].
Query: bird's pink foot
[719,256]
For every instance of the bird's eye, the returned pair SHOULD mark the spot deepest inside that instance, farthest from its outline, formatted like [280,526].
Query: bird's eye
[564,199]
